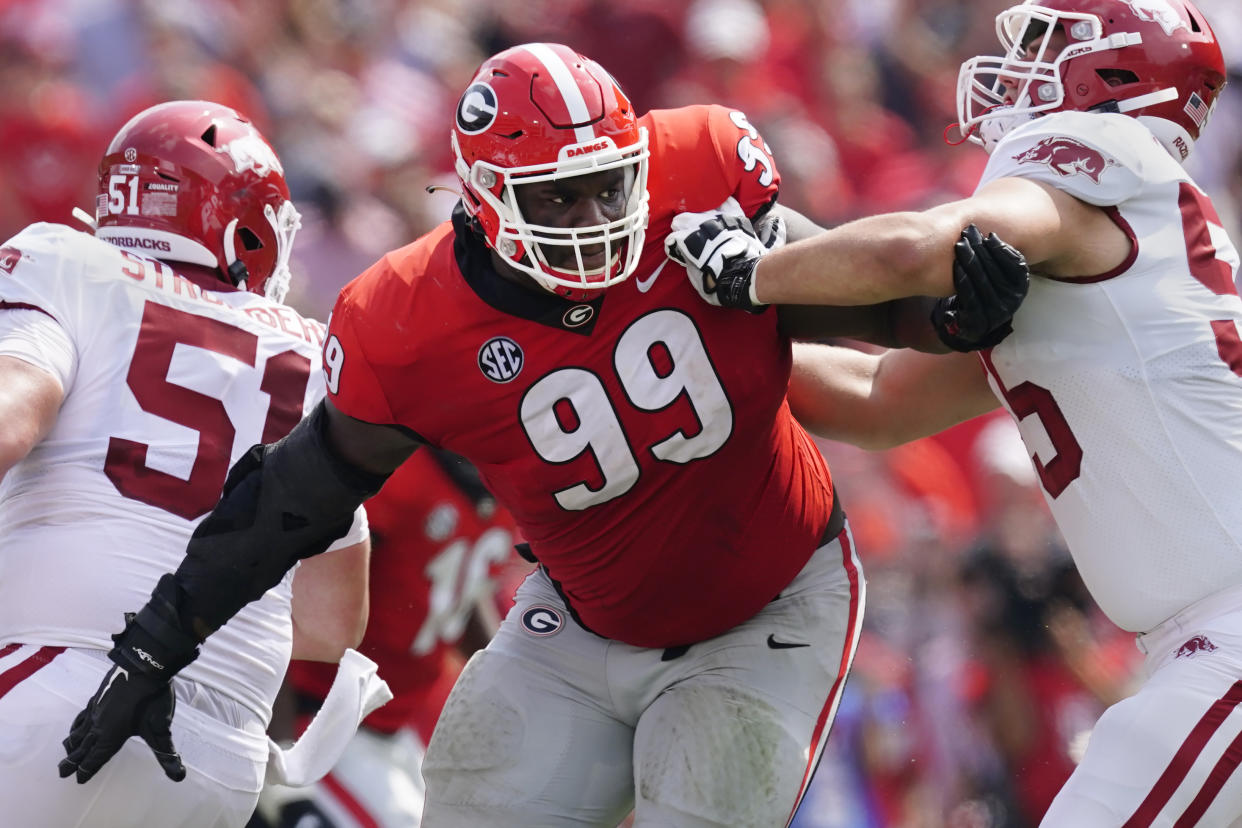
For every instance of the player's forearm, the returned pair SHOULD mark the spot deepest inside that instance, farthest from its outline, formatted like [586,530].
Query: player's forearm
[901,323]
[880,401]
[865,262]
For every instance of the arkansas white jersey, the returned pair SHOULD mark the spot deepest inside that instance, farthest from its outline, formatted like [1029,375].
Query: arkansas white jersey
[1127,385]
[166,385]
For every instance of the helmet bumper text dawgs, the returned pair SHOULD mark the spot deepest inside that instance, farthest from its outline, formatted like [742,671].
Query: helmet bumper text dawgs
[542,112]
[194,181]
[1157,60]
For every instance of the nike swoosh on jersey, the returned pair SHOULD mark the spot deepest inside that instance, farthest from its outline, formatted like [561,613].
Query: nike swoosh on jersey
[783,645]
[644,285]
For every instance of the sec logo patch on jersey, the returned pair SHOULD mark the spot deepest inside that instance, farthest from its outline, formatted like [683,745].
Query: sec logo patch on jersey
[501,359]
[542,620]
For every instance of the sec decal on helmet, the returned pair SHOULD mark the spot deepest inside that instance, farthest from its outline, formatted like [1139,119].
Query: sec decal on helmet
[1156,60]
[195,182]
[542,112]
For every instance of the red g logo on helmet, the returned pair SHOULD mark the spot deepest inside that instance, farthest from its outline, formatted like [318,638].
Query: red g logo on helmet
[1067,157]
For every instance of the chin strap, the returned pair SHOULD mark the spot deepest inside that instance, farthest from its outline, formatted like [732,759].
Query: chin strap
[84,217]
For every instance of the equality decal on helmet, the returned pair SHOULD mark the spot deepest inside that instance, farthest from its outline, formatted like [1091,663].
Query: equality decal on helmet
[477,109]
[1158,11]
[501,359]
[542,620]
[1067,157]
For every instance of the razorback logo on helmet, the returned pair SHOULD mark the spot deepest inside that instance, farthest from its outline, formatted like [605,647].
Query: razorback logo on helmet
[1067,157]
[250,152]
[1158,11]
[9,257]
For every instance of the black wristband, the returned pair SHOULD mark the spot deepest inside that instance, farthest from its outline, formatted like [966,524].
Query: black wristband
[156,641]
[733,285]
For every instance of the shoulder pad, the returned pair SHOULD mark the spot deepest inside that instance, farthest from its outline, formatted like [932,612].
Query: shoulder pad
[1096,157]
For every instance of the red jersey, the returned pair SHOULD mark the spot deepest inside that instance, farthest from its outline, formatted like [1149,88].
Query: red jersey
[435,553]
[642,440]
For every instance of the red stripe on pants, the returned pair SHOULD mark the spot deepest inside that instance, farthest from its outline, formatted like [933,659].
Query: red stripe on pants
[1186,755]
[1215,781]
[356,809]
[846,654]
[23,670]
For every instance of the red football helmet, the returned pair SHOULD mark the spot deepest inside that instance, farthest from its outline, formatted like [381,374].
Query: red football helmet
[194,181]
[541,112]
[1157,60]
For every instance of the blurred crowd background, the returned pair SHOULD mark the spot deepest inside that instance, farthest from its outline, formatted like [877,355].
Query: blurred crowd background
[983,663]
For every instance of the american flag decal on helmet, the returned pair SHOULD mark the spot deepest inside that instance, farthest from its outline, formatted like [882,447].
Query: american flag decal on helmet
[1197,109]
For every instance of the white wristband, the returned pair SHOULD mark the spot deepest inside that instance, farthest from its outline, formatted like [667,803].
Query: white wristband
[754,277]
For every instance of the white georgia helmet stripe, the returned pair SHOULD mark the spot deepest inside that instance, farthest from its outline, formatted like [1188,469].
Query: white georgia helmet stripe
[569,90]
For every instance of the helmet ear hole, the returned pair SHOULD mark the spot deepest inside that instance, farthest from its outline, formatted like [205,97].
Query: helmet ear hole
[1117,77]
[249,240]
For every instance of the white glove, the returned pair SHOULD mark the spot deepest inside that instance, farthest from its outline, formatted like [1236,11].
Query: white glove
[719,249]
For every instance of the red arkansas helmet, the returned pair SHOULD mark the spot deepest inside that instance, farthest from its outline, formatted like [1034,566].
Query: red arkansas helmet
[1157,60]
[194,181]
[541,112]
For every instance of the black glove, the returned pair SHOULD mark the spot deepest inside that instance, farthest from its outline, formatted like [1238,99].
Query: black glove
[135,697]
[991,279]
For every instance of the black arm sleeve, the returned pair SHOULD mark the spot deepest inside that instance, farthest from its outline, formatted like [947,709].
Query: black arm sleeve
[900,323]
[281,503]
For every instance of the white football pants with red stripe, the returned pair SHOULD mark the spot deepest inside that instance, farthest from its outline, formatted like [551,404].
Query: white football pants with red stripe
[1168,755]
[552,725]
[43,688]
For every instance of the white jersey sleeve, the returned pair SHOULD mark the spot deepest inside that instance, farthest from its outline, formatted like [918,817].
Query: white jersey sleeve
[1127,385]
[359,531]
[170,384]
[34,337]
